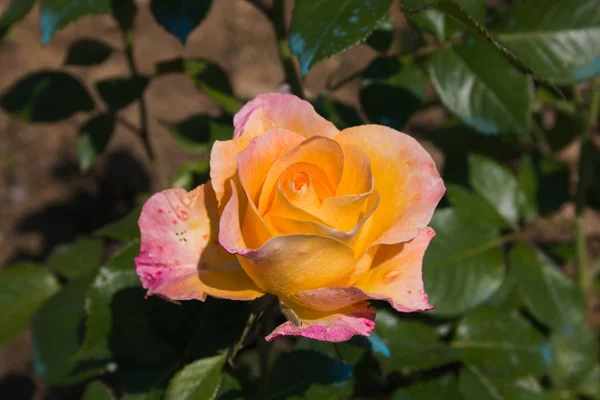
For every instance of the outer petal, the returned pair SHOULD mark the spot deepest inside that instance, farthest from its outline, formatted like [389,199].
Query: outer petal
[223,165]
[286,263]
[396,274]
[334,326]
[275,110]
[406,178]
[180,257]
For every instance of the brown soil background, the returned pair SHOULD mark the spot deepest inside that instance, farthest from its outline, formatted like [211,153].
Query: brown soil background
[46,200]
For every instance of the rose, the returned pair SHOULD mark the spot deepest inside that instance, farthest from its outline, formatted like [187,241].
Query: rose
[324,220]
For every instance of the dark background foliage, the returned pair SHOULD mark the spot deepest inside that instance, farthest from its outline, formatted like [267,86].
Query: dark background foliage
[106,101]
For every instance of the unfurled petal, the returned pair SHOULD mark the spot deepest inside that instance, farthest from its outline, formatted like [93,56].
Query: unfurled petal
[180,257]
[241,227]
[223,166]
[405,176]
[396,274]
[333,326]
[275,110]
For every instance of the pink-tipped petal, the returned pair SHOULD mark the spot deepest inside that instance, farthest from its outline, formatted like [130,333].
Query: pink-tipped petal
[276,110]
[405,176]
[335,326]
[396,274]
[180,258]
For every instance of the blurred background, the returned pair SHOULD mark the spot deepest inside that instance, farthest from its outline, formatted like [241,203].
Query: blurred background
[50,194]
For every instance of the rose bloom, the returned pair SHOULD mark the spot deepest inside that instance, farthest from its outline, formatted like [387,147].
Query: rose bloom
[323,219]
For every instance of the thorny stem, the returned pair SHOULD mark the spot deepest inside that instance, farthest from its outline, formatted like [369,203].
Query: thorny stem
[252,318]
[585,177]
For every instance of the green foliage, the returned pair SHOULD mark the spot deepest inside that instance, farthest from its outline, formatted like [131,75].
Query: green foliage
[324,28]
[13,13]
[93,138]
[533,29]
[211,80]
[88,52]
[23,289]
[56,14]
[391,91]
[498,98]
[198,380]
[46,96]
[412,345]
[76,258]
[508,322]
[97,391]
[463,265]
[56,337]
[180,18]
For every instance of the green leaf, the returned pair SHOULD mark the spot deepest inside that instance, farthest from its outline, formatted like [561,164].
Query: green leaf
[124,12]
[56,14]
[575,350]
[74,259]
[497,185]
[550,296]
[462,266]
[501,344]
[191,175]
[381,38]
[589,385]
[341,115]
[211,80]
[471,15]
[117,274]
[13,13]
[543,184]
[471,205]
[474,385]
[311,375]
[567,126]
[46,96]
[528,188]
[482,88]
[508,296]
[88,52]
[456,11]
[181,17]
[23,289]
[119,92]
[93,138]
[413,345]
[56,337]
[198,132]
[126,228]
[198,380]
[561,39]
[443,388]
[97,391]
[391,91]
[323,28]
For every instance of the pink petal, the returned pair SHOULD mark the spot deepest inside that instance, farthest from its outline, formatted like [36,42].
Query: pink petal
[180,258]
[405,176]
[276,110]
[336,326]
[396,274]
